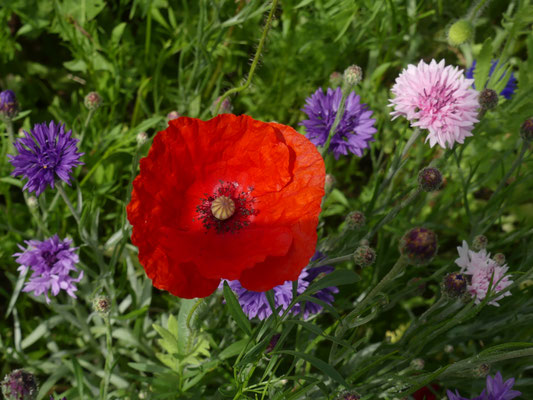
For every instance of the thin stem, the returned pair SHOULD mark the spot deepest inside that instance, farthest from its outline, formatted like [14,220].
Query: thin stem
[338,116]
[255,60]
[104,385]
[515,165]
[85,125]
[63,194]
[473,14]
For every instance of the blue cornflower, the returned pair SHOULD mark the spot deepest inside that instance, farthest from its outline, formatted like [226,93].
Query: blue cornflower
[8,104]
[355,130]
[51,262]
[45,153]
[496,389]
[507,91]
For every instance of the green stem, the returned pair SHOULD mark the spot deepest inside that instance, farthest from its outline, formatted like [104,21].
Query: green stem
[85,125]
[73,211]
[338,116]
[515,165]
[472,15]
[104,385]
[255,60]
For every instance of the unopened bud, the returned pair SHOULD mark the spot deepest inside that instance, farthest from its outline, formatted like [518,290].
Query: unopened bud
[430,179]
[172,115]
[102,305]
[349,396]
[460,32]
[479,243]
[353,75]
[417,364]
[364,256]
[499,258]
[419,246]
[454,285]
[355,220]
[225,106]
[92,100]
[329,182]
[448,348]
[141,138]
[9,106]
[526,130]
[488,99]
[335,79]
[273,342]
[19,385]
[482,370]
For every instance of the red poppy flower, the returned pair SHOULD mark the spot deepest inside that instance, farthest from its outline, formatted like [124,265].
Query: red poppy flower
[230,198]
[426,393]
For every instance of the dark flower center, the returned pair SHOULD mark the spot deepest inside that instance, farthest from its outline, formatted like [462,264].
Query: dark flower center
[228,209]
[49,258]
[49,159]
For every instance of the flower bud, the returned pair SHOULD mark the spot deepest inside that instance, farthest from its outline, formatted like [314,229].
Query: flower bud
[526,130]
[19,385]
[448,349]
[482,370]
[499,258]
[92,100]
[353,75]
[349,396]
[488,99]
[273,342]
[9,106]
[419,246]
[32,202]
[430,179]
[172,115]
[454,285]
[329,183]
[355,220]
[364,256]
[479,242]
[225,107]
[335,79]
[102,305]
[141,138]
[460,32]
[418,364]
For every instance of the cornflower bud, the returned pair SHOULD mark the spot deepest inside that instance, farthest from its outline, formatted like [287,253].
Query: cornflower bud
[526,130]
[225,107]
[102,305]
[419,246]
[273,342]
[19,385]
[488,99]
[364,256]
[92,101]
[355,220]
[329,182]
[417,364]
[460,32]
[479,242]
[32,202]
[482,370]
[9,106]
[499,258]
[335,79]
[141,138]
[454,285]
[172,115]
[349,396]
[429,179]
[353,75]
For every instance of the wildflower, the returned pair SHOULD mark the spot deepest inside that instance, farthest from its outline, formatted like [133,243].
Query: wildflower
[437,98]
[482,269]
[419,246]
[364,256]
[9,105]
[526,130]
[454,285]
[353,75]
[51,262]
[230,198]
[355,129]
[479,243]
[92,101]
[460,32]
[45,153]
[19,385]
[488,99]
[355,220]
[430,179]
[507,91]
[496,389]
[255,304]
[225,107]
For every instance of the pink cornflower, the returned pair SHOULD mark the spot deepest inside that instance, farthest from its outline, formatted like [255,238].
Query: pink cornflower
[437,98]
[482,269]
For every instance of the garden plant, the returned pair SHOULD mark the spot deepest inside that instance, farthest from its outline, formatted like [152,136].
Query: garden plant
[252,199]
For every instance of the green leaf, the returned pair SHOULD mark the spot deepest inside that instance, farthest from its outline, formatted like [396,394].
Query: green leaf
[184,332]
[481,73]
[319,364]
[169,342]
[235,310]
[336,278]
[117,33]
[233,349]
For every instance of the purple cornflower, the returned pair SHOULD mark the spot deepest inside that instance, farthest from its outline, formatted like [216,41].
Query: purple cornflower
[19,385]
[8,104]
[507,91]
[51,262]
[255,304]
[496,389]
[45,153]
[355,128]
